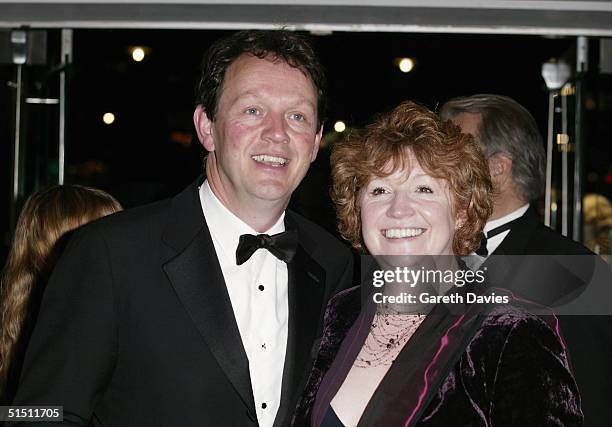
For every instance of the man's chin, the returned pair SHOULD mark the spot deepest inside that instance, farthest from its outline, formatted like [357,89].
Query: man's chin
[272,193]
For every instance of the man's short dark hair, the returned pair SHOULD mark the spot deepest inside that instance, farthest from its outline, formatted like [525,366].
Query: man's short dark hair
[279,45]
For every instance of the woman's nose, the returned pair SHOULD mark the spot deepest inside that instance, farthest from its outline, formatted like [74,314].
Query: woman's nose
[401,206]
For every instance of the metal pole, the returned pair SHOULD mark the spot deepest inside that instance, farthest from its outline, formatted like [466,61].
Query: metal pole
[564,178]
[19,40]
[17,190]
[549,153]
[19,55]
[66,59]
[17,185]
[582,50]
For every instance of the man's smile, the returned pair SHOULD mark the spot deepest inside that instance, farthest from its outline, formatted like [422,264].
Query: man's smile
[270,160]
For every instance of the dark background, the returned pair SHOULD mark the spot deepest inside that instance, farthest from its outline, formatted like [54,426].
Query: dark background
[151,151]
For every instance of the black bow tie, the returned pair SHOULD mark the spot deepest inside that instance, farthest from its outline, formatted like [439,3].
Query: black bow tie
[482,249]
[282,245]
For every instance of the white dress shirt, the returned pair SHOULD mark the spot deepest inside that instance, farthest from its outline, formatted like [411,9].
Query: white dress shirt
[495,241]
[474,261]
[258,293]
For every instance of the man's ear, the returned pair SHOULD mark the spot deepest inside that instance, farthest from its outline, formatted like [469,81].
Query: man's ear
[500,167]
[317,144]
[203,127]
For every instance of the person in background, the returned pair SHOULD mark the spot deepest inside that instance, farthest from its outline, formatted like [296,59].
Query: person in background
[514,149]
[510,139]
[40,234]
[597,210]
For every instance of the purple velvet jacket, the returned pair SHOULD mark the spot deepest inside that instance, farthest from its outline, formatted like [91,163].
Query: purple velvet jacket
[494,366]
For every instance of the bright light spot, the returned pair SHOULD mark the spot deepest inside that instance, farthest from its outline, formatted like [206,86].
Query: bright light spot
[553,207]
[108,118]
[138,54]
[339,126]
[562,139]
[406,65]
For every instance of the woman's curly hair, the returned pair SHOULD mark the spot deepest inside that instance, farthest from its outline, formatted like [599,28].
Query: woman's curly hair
[441,150]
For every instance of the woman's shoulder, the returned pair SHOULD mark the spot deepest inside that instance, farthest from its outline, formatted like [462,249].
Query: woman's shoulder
[512,315]
[346,295]
[515,325]
[343,307]
[515,369]
[520,312]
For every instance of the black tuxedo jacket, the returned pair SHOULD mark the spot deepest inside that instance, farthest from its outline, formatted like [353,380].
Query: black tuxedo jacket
[529,236]
[570,272]
[136,327]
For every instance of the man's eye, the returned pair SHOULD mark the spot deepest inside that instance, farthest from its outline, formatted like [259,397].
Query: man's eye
[298,116]
[252,111]
[378,191]
[424,189]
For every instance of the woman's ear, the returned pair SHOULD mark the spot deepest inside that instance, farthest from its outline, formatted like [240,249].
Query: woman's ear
[460,219]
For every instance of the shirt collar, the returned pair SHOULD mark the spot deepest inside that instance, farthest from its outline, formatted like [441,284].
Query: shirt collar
[506,218]
[225,227]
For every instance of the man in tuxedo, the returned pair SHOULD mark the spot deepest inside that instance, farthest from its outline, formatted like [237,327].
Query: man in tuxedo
[527,256]
[514,148]
[202,309]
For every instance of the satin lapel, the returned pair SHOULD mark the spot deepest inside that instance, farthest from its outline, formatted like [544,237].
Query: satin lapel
[416,375]
[502,264]
[349,336]
[352,340]
[198,281]
[512,266]
[516,242]
[306,290]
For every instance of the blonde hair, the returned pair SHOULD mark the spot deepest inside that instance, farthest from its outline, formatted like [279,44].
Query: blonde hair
[47,215]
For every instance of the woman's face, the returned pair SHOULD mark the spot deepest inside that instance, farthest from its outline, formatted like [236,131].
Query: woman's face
[407,213]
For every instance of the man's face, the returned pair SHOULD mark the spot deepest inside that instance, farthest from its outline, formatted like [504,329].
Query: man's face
[500,165]
[264,135]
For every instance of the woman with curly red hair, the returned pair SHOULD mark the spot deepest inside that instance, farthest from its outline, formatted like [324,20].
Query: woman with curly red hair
[413,189]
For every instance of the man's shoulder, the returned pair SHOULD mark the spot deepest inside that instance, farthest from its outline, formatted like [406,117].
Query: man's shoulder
[138,218]
[321,243]
[529,236]
[135,230]
[548,241]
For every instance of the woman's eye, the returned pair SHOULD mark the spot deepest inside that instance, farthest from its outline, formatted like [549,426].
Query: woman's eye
[424,189]
[378,191]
